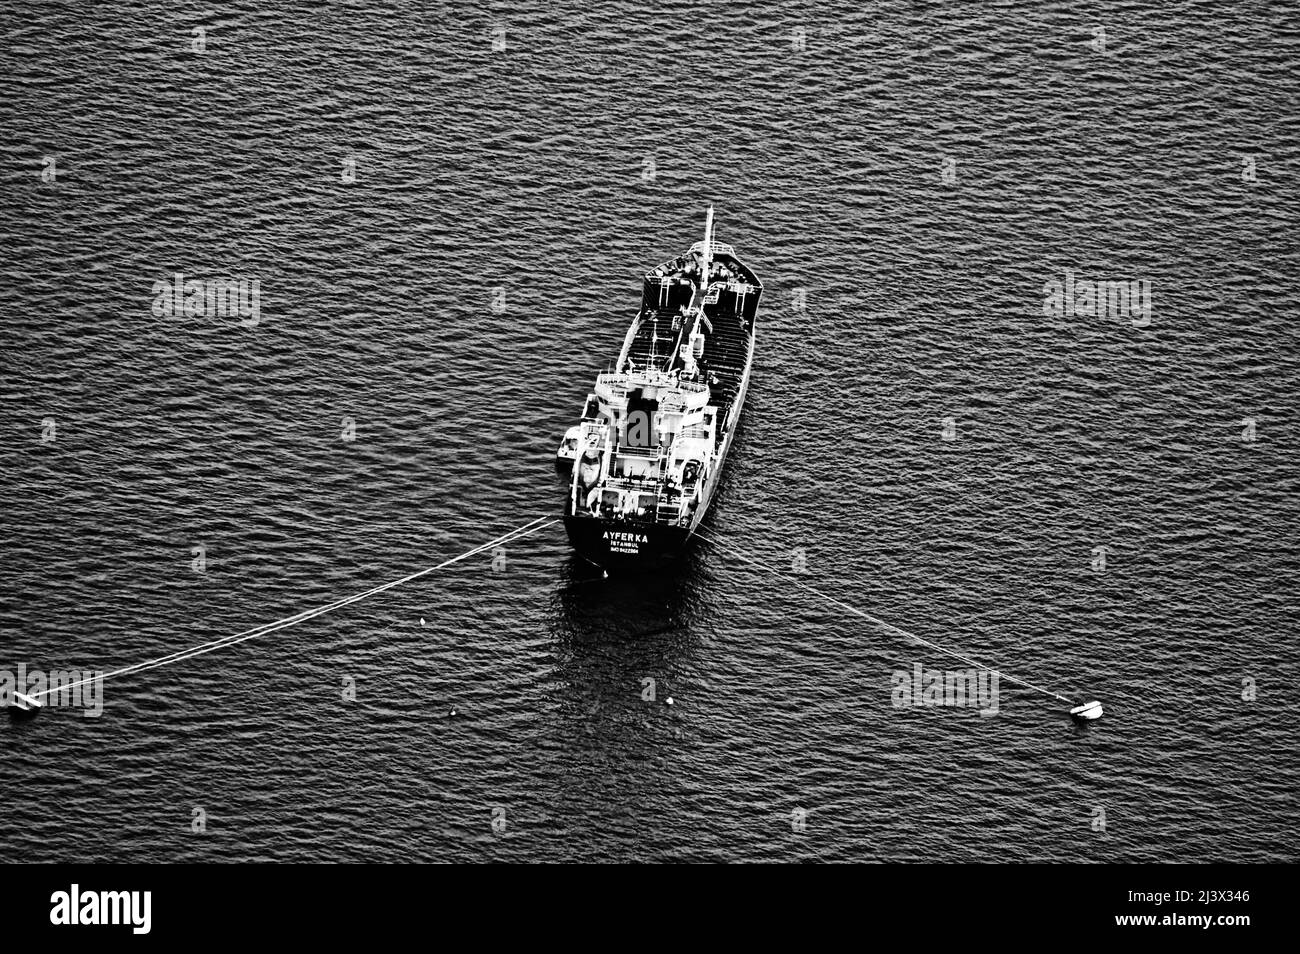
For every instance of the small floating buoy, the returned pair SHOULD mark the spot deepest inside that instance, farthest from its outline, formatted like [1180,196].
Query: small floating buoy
[453,713]
[1087,712]
[421,620]
[669,700]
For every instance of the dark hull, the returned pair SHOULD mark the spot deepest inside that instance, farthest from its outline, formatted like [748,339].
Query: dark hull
[622,545]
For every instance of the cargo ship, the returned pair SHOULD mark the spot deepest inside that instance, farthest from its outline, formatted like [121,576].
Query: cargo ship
[643,463]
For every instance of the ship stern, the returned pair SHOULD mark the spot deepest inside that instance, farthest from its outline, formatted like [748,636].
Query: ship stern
[625,545]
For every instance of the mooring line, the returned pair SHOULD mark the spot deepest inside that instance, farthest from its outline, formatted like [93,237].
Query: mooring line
[880,622]
[527,529]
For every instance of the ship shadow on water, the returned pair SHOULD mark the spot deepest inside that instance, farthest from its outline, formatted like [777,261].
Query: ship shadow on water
[626,608]
[611,737]
[613,634]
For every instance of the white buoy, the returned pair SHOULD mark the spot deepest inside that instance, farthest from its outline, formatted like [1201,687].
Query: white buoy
[453,712]
[1087,712]
[669,700]
[421,620]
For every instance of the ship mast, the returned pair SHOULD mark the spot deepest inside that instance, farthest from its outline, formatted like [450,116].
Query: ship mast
[706,259]
[707,250]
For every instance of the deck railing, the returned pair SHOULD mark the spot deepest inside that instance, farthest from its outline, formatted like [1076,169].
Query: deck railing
[662,511]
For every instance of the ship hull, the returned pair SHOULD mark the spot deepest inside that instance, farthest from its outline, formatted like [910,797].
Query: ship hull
[621,545]
[683,370]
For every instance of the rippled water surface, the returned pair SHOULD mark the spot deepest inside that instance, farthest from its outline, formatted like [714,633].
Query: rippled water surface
[919,173]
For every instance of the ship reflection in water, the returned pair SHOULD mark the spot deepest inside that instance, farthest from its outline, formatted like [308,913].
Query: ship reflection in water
[624,645]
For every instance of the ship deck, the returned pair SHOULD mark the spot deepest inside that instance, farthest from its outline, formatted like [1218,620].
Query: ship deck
[725,352]
[726,346]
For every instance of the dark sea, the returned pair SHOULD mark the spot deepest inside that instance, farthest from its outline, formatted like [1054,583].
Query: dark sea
[448,210]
